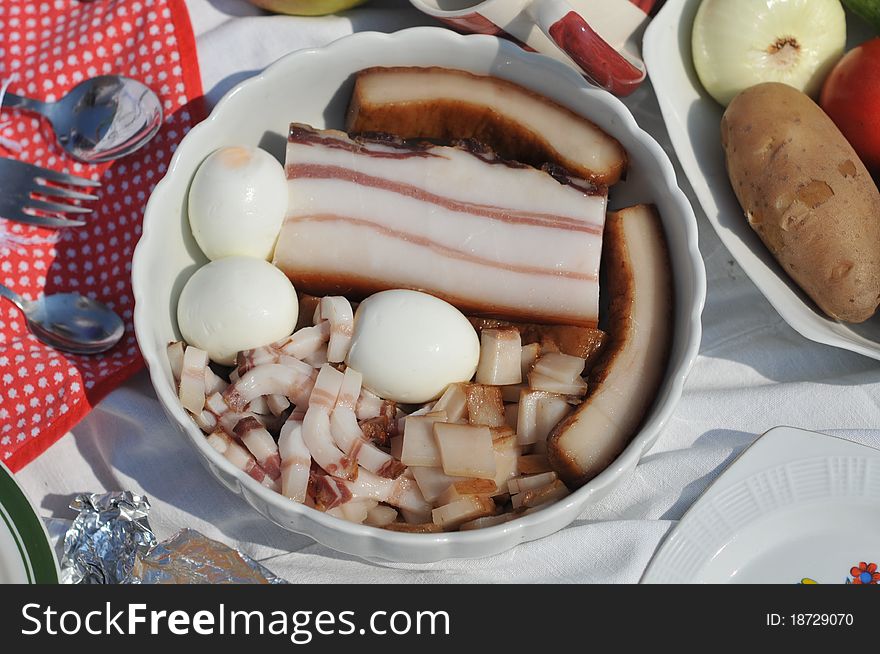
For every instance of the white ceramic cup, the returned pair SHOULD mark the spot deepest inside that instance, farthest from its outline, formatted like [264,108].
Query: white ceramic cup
[600,39]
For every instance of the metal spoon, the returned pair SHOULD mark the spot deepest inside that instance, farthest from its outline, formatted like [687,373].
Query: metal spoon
[69,321]
[100,119]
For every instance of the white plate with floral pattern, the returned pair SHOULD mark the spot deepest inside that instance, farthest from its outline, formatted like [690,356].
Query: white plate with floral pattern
[795,507]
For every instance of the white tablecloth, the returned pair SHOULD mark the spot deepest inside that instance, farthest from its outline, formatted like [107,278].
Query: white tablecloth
[754,372]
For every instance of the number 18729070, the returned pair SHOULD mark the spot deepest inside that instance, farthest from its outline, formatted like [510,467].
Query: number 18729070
[810,620]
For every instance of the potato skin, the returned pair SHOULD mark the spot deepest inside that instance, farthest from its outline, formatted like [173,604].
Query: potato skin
[807,195]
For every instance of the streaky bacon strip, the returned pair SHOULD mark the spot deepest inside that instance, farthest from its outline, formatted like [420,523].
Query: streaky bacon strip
[337,311]
[437,223]
[260,443]
[306,341]
[316,426]
[349,436]
[368,405]
[402,492]
[492,212]
[329,492]
[240,458]
[296,461]
[249,359]
[193,376]
[452,253]
[291,378]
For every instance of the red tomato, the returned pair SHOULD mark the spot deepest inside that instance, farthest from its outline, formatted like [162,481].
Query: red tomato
[851,97]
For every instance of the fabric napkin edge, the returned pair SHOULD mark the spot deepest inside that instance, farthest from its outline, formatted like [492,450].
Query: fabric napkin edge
[186,45]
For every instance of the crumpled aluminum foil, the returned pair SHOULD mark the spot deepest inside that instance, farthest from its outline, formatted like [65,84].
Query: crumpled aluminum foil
[188,557]
[111,542]
[105,538]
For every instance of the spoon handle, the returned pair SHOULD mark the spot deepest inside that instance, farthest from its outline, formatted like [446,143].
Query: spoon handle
[13,297]
[12,100]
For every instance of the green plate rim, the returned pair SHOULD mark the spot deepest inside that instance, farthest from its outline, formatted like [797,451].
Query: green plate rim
[28,530]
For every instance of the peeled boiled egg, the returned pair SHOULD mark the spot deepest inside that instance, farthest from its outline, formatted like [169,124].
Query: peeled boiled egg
[409,346]
[236,303]
[237,202]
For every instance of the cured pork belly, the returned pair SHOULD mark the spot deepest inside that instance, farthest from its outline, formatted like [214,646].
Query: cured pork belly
[446,104]
[624,382]
[492,237]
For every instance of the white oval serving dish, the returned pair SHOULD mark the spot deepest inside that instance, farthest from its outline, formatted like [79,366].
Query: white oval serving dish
[313,86]
[693,120]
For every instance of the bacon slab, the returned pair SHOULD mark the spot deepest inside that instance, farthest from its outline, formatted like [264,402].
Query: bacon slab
[446,104]
[492,237]
[626,379]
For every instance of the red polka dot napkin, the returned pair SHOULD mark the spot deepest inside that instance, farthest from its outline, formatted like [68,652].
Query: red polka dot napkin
[46,48]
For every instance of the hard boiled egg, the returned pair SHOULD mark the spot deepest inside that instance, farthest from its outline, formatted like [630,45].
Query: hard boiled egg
[409,346]
[234,304]
[237,202]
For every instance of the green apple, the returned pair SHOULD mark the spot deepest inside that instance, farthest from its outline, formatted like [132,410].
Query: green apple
[739,43]
[307,7]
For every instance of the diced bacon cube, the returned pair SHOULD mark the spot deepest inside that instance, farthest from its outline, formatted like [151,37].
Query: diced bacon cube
[530,482]
[500,357]
[484,405]
[465,450]
[541,382]
[539,412]
[528,356]
[552,492]
[419,444]
[453,402]
[380,516]
[558,366]
[463,487]
[507,455]
[469,507]
[432,481]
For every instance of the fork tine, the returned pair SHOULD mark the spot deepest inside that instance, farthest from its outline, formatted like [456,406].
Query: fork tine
[64,178]
[42,221]
[20,181]
[61,192]
[54,207]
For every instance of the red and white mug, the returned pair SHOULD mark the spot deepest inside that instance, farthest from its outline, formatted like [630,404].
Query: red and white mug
[598,37]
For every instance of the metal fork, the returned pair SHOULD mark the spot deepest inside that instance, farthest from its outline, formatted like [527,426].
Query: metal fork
[19,184]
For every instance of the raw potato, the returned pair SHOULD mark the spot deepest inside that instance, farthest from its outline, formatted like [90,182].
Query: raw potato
[807,195]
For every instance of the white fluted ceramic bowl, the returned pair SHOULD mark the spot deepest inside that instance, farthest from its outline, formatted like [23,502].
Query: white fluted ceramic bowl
[313,86]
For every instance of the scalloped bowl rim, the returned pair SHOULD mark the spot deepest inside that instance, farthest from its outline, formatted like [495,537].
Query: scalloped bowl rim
[494,539]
